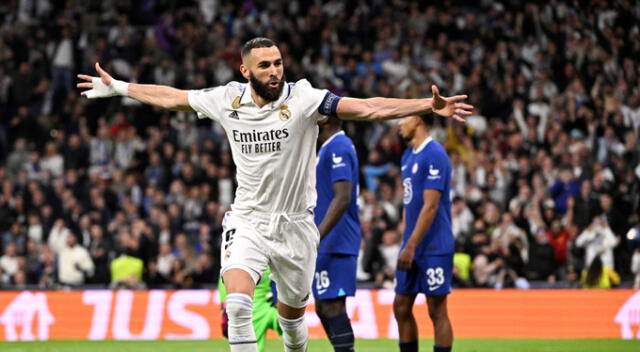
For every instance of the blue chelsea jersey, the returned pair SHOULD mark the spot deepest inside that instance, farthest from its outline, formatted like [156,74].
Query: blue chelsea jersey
[428,167]
[337,161]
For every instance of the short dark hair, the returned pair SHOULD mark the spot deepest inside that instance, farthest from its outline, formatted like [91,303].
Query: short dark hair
[259,42]
[427,119]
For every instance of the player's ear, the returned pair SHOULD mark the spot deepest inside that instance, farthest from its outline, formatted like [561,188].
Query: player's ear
[244,70]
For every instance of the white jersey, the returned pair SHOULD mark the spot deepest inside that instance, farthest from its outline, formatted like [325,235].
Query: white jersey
[273,147]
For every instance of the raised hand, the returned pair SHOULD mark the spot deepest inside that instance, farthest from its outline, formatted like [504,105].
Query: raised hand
[453,107]
[103,86]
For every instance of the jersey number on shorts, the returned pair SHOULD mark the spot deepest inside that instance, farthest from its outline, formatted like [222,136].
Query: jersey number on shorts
[322,280]
[435,276]
[228,238]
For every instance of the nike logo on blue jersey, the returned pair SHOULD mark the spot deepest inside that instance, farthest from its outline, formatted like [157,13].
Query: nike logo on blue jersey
[433,288]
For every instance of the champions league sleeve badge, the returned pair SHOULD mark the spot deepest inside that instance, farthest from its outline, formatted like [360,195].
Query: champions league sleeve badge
[285,113]
[236,103]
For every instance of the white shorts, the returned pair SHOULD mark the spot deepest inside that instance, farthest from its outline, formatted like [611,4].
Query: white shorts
[287,243]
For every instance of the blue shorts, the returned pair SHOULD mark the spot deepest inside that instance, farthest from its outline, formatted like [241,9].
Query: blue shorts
[430,275]
[335,276]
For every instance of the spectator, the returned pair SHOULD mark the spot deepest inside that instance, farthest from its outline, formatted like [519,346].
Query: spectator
[152,277]
[58,236]
[486,266]
[9,263]
[74,263]
[559,237]
[52,161]
[165,260]
[462,218]
[204,273]
[566,187]
[390,249]
[100,250]
[598,241]
[33,266]
[126,272]
[461,267]
[542,262]
[585,206]
[599,275]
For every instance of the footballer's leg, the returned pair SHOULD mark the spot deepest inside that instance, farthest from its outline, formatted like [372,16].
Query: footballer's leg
[334,280]
[243,261]
[439,272]
[292,262]
[407,326]
[441,324]
[239,307]
[294,328]
[336,323]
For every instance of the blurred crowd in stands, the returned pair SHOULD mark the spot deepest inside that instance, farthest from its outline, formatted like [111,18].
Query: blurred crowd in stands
[112,193]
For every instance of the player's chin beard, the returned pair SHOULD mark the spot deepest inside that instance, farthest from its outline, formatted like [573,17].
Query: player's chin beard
[263,90]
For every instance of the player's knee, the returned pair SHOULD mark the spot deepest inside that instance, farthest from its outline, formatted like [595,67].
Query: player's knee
[239,307]
[437,312]
[402,311]
[330,308]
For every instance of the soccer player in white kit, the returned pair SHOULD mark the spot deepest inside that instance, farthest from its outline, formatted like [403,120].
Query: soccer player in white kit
[272,129]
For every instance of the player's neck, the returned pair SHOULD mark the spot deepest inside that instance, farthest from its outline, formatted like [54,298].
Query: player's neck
[260,101]
[419,137]
[328,134]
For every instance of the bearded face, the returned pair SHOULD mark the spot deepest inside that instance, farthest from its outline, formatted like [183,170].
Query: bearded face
[269,90]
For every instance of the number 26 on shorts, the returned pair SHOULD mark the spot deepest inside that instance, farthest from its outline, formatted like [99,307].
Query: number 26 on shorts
[322,280]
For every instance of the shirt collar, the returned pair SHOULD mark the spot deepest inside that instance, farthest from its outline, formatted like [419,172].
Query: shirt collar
[423,145]
[247,98]
[331,138]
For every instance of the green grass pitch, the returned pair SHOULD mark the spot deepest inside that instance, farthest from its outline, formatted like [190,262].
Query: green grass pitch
[382,345]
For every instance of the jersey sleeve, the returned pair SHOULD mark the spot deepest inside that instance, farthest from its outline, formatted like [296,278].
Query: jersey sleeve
[207,102]
[319,102]
[341,163]
[437,167]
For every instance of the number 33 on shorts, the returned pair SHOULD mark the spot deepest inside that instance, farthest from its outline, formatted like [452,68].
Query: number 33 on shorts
[435,278]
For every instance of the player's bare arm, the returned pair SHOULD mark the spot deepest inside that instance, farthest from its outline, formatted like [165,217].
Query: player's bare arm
[380,109]
[427,214]
[337,207]
[160,96]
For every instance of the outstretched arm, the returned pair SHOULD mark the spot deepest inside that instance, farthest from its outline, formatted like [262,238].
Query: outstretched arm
[160,96]
[380,109]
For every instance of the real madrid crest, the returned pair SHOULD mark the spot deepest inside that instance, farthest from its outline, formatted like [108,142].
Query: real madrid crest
[285,113]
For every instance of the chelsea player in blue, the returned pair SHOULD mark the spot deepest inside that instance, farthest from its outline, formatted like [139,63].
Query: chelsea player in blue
[425,263]
[336,215]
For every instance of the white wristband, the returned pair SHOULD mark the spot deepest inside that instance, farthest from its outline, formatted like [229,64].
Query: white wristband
[120,87]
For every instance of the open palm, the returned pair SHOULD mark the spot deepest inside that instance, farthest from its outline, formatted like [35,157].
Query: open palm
[96,89]
[453,107]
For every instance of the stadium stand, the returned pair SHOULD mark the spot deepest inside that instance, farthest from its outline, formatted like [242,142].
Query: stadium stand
[546,172]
